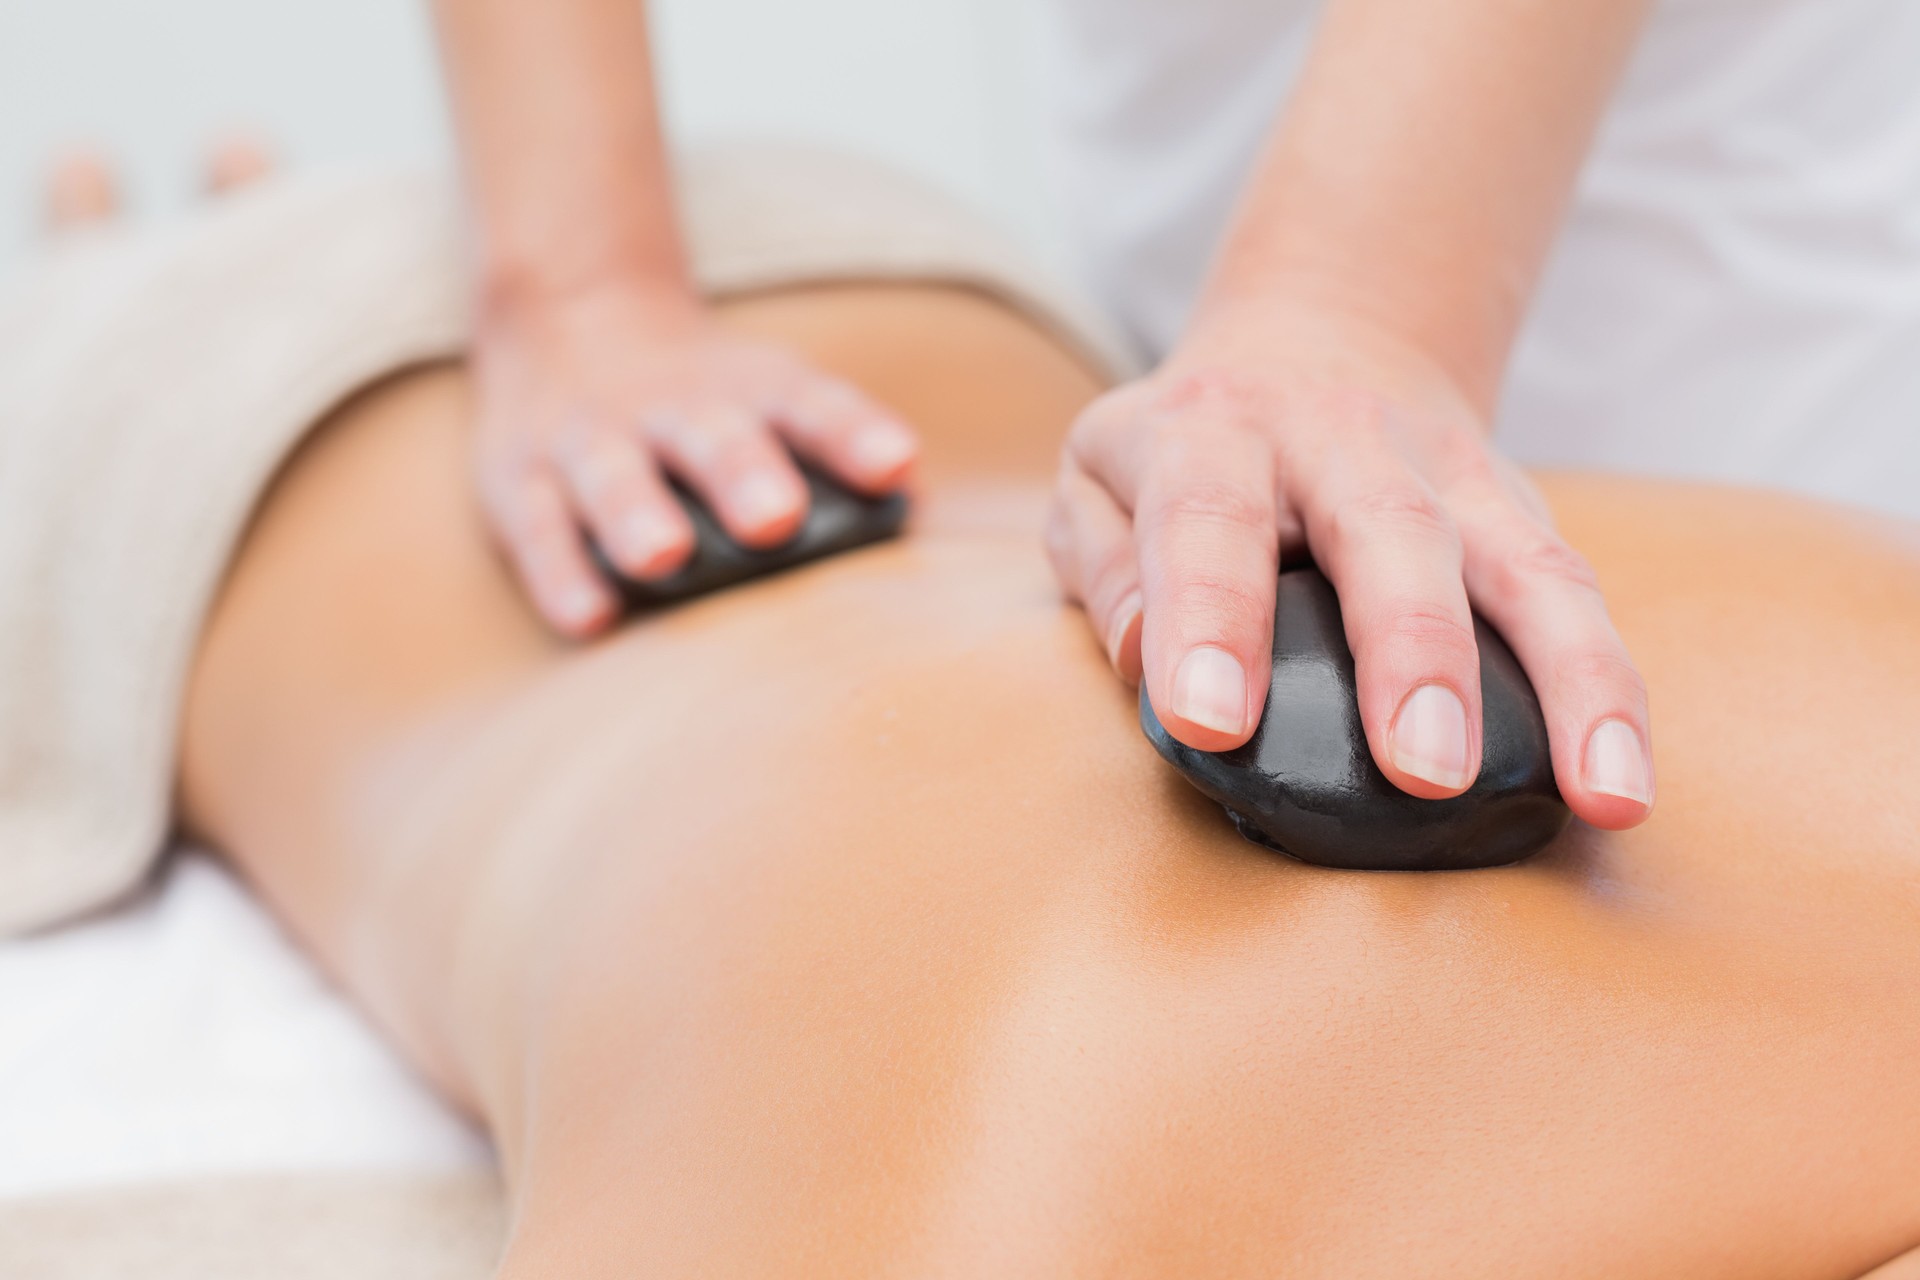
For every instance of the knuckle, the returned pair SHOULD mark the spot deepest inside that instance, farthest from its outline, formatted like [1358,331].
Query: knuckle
[1218,504]
[1215,604]
[1406,511]
[597,474]
[740,443]
[506,522]
[677,424]
[1430,629]
[613,496]
[507,462]
[572,435]
[537,525]
[1209,390]
[499,482]
[662,420]
[531,511]
[843,397]
[579,442]
[825,406]
[1186,457]
[1541,562]
[1554,560]
[722,444]
[1350,407]
[775,362]
[1606,671]
[1468,468]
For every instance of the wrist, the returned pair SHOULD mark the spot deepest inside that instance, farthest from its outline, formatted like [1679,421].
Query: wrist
[657,296]
[525,272]
[1325,298]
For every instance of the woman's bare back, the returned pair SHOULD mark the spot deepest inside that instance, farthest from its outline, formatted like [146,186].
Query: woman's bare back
[846,924]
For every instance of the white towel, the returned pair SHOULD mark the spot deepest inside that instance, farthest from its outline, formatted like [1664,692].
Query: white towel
[363,1226]
[152,382]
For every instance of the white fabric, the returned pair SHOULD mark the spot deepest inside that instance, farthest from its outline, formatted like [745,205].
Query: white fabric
[1737,291]
[149,381]
[152,381]
[360,1225]
[185,1036]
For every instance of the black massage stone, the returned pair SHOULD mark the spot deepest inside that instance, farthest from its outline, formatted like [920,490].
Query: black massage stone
[1306,785]
[838,519]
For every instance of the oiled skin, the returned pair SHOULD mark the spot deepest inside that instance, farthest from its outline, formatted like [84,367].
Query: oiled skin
[845,924]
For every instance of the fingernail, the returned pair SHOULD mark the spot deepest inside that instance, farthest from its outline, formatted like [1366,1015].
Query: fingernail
[1429,737]
[881,449]
[762,499]
[1123,619]
[1617,763]
[1210,690]
[646,535]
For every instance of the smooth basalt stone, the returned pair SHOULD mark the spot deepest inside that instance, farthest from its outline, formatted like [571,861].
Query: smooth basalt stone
[838,519]
[1306,785]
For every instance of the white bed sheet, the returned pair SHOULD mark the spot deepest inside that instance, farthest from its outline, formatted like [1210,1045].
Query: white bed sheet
[184,1035]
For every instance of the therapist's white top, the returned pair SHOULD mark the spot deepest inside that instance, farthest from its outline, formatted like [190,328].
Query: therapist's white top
[1736,294]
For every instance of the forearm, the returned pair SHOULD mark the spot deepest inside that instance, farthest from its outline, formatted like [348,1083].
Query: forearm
[565,160]
[1416,179]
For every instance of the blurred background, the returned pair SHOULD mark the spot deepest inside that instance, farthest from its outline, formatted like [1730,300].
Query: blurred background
[937,86]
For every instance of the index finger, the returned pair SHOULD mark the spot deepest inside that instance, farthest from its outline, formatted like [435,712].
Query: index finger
[1207,528]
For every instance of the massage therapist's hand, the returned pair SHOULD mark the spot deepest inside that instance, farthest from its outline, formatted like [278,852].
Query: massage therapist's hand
[1179,492]
[591,399]
[600,370]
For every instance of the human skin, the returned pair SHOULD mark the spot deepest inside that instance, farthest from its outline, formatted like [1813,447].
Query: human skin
[845,924]
[601,369]
[1335,387]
